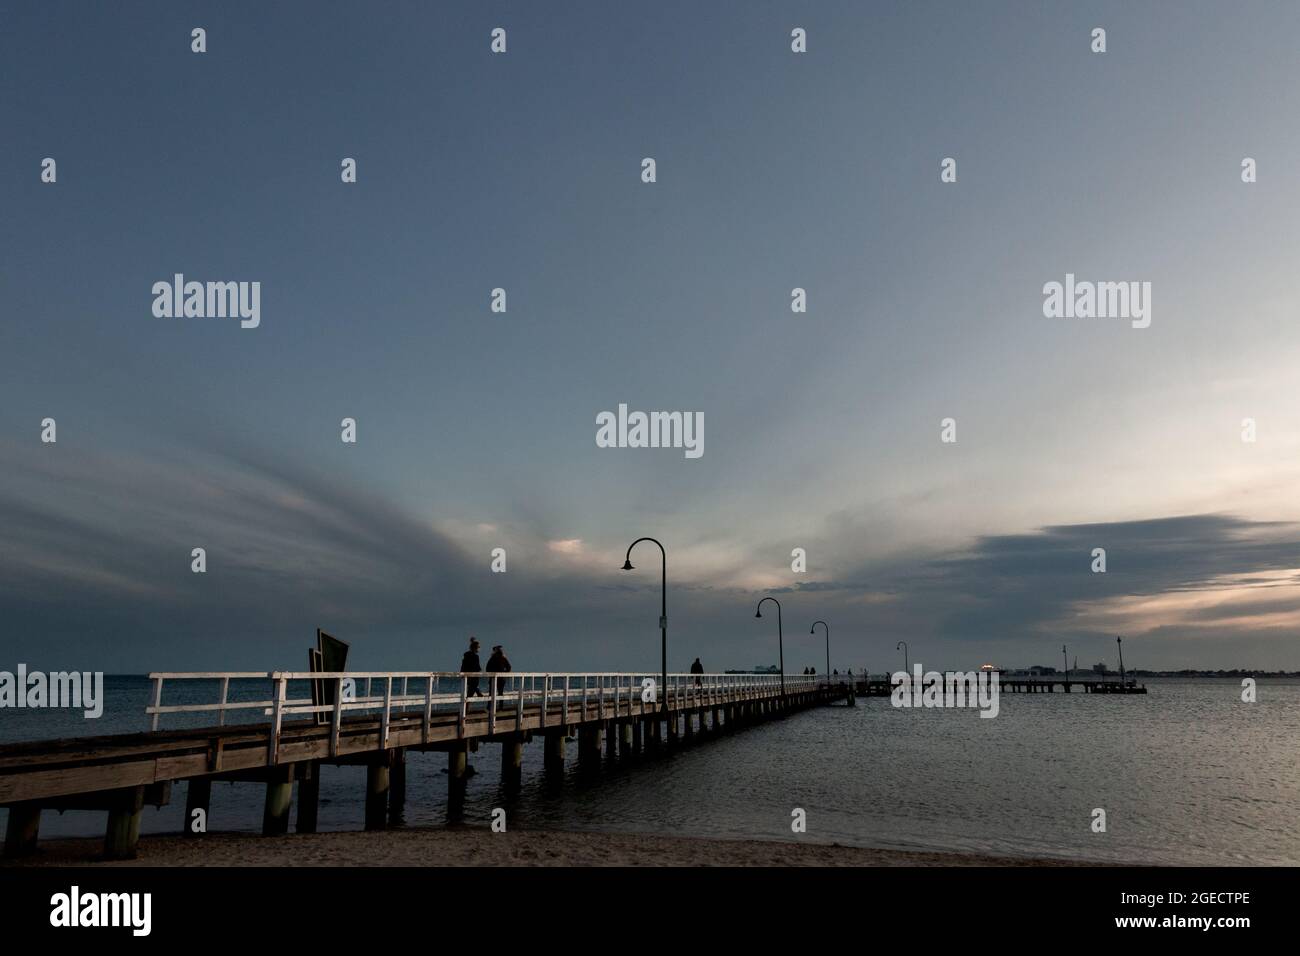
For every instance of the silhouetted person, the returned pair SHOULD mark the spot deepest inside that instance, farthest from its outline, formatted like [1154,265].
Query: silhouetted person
[697,668]
[470,664]
[498,663]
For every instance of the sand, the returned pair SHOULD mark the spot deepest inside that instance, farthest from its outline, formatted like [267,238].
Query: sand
[481,847]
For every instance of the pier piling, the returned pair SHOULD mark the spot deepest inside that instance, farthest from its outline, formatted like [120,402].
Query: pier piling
[512,760]
[553,750]
[308,796]
[396,787]
[279,796]
[457,765]
[123,831]
[377,793]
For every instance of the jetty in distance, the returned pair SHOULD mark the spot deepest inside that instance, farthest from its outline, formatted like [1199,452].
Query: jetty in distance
[883,687]
[373,719]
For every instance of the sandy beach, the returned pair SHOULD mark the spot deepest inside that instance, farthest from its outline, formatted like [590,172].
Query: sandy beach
[481,847]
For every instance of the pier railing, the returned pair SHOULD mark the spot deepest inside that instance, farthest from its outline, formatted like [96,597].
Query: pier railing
[502,697]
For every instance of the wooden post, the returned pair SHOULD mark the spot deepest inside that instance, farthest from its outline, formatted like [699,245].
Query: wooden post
[553,750]
[397,787]
[22,829]
[512,760]
[198,796]
[611,739]
[636,735]
[457,762]
[589,739]
[279,795]
[625,747]
[308,796]
[674,719]
[377,793]
[123,832]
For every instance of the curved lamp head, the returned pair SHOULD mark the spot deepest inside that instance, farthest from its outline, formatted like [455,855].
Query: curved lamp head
[758,614]
[627,565]
[813,629]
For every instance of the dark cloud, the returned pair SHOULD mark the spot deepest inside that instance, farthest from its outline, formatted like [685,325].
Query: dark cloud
[96,566]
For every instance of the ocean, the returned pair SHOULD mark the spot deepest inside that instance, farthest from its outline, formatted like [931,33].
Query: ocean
[1187,774]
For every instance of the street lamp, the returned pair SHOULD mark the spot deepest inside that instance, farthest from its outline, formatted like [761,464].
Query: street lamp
[780,640]
[663,617]
[903,646]
[1119,641]
[827,627]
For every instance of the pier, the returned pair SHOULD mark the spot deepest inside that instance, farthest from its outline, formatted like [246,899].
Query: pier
[882,687]
[373,719]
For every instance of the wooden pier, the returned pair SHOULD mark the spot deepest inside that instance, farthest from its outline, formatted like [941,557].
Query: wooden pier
[882,687]
[372,719]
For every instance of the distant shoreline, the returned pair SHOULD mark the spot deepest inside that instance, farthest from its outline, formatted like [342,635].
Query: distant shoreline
[481,847]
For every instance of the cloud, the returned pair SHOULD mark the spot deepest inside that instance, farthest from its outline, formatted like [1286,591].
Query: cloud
[95,568]
[565,546]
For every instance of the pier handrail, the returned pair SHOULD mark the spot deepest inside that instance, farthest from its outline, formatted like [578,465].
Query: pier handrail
[508,692]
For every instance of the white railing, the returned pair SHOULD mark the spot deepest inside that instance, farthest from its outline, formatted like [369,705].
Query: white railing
[502,697]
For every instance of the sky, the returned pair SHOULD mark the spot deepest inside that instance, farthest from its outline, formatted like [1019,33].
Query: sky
[476,430]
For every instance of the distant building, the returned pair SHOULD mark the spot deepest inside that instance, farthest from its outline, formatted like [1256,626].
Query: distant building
[1039,670]
[1099,668]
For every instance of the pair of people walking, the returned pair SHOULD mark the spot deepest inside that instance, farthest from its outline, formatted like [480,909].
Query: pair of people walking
[470,664]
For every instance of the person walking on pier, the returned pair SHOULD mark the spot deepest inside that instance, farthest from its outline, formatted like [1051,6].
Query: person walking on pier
[697,669]
[469,664]
[498,663]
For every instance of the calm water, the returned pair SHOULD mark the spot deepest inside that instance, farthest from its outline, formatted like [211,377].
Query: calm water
[1187,774]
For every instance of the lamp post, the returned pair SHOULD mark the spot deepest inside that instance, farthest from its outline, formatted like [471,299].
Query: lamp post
[827,627]
[663,618]
[1066,661]
[903,646]
[1119,642]
[780,640]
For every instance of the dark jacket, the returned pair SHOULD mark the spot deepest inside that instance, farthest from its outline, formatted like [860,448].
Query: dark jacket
[470,664]
[498,662]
